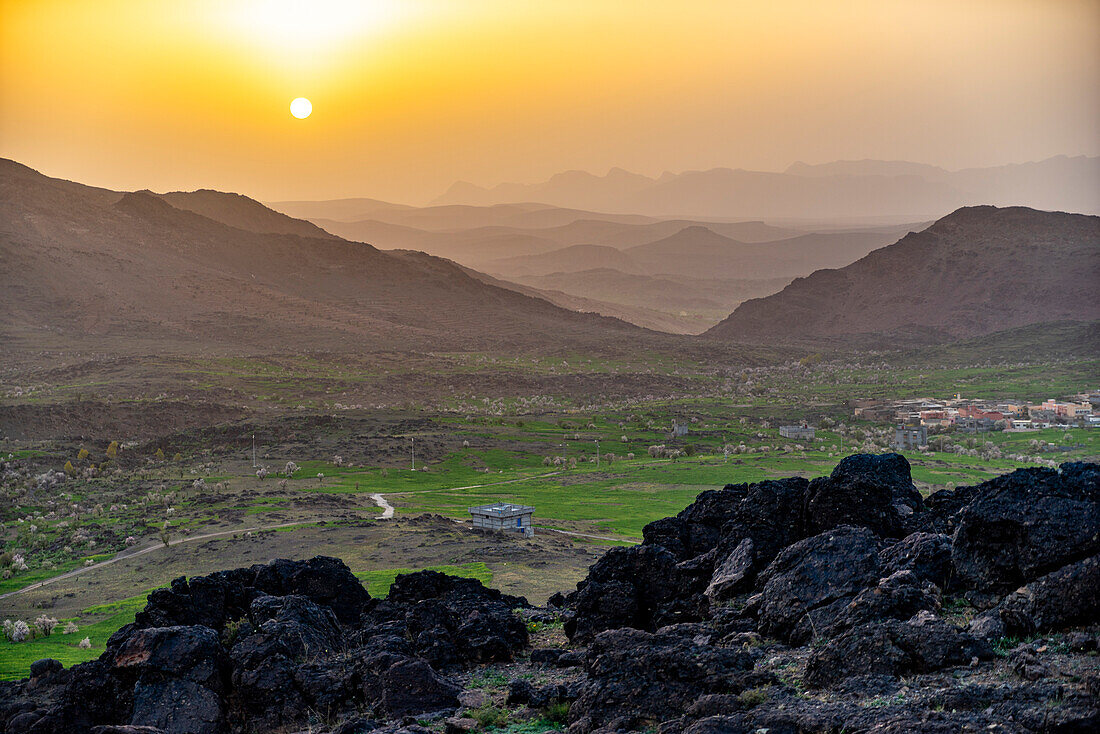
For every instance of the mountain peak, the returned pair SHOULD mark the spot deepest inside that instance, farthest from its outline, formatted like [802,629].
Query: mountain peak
[960,277]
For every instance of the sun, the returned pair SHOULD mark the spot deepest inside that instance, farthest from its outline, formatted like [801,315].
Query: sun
[301,108]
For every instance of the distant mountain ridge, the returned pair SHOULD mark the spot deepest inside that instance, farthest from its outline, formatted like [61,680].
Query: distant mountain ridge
[833,190]
[977,271]
[89,266]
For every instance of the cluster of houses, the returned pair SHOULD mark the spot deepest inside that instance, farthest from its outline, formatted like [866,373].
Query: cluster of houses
[976,416]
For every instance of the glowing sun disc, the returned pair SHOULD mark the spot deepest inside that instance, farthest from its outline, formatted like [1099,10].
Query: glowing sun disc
[301,108]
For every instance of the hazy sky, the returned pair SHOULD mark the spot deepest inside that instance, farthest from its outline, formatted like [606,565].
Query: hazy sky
[410,95]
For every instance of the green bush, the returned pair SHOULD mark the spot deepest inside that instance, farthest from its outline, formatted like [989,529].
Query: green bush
[489,716]
[557,712]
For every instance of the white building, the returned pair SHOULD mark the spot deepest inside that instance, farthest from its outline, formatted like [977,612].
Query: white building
[504,517]
[804,433]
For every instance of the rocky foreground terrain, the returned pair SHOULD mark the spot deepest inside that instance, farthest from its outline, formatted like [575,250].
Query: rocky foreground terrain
[844,604]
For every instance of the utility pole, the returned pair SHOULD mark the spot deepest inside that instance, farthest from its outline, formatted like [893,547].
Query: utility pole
[412,443]
[597,453]
[253,450]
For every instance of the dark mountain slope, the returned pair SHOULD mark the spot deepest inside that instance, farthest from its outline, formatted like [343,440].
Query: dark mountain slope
[974,272]
[700,252]
[91,265]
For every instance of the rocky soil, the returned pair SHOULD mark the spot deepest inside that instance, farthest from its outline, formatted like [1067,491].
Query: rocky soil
[846,603]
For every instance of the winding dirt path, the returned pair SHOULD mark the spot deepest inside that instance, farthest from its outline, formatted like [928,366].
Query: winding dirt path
[378,498]
[126,555]
[387,508]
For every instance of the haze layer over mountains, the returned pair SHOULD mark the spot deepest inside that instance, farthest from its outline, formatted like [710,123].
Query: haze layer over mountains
[843,189]
[214,269]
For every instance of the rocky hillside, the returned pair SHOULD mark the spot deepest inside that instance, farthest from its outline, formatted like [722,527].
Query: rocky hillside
[977,271]
[846,603]
[209,270]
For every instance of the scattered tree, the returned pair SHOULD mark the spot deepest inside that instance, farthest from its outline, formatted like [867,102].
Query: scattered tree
[46,624]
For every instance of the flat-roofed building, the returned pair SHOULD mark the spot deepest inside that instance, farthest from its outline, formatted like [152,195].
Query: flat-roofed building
[804,433]
[504,517]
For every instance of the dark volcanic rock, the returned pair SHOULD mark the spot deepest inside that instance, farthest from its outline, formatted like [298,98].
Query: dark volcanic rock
[271,648]
[864,490]
[813,572]
[1026,524]
[923,644]
[180,678]
[768,519]
[1066,597]
[698,527]
[638,678]
[639,587]
[213,600]
[927,555]
[899,596]
[453,620]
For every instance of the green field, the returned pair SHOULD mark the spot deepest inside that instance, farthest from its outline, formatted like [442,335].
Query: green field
[539,450]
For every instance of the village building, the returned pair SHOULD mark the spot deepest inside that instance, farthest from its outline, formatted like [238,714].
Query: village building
[802,432]
[910,438]
[504,517]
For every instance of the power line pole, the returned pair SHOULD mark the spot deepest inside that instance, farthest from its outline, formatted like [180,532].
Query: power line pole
[253,450]
[597,453]
[412,443]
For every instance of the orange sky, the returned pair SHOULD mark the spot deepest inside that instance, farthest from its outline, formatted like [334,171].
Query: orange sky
[410,95]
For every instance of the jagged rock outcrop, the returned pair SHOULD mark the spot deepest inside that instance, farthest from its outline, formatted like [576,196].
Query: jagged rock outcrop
[639,587]
[718,622]
[855,565]
[922,644]
[1022,525]
[637,679]
[870,491]
[268,647]
[811,573]
[1060,599]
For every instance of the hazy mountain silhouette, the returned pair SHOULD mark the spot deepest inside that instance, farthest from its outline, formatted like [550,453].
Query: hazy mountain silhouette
[844,189]
[240,212]
[91,265]
[699,252]
[977,271]
[667,302]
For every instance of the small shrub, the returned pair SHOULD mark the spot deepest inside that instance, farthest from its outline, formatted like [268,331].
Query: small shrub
[754,696]
[82,455]
[85,644]
[489,716]
[231,632]
[70,628]
[160,454]
[5,559]
[557,712]
[112,450]
[69,468]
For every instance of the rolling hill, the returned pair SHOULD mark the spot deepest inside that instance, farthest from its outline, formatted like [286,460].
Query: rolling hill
[96,267]
[977,271]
